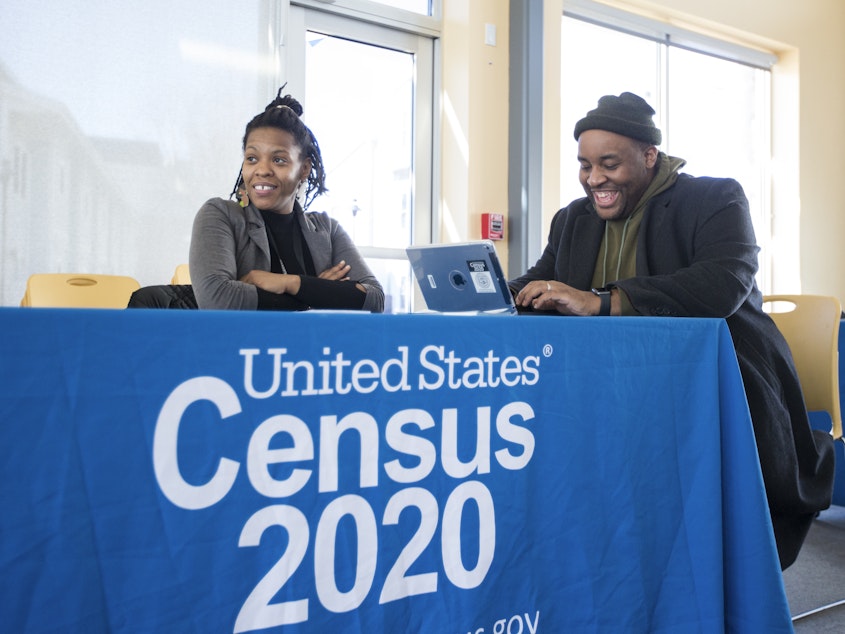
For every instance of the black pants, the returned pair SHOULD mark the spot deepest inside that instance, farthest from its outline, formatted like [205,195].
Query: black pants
[164,296]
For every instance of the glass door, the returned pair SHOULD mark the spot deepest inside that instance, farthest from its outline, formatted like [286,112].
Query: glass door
[367,98]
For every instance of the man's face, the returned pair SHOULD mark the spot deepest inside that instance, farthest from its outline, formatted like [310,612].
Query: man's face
[615,171]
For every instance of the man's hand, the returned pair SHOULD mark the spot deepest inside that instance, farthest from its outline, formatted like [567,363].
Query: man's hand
[550,295]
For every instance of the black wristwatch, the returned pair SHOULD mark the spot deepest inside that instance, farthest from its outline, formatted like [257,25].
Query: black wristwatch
[604,296]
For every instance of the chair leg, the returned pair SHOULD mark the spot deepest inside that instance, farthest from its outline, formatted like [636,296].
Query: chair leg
[817,610]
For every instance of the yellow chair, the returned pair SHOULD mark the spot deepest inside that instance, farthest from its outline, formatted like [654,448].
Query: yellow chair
[182,275]
[78,290]
[810,325]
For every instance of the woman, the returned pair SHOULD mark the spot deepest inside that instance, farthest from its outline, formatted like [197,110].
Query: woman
[265,251]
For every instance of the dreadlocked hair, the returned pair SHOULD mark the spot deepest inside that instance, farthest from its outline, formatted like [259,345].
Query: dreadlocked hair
[284,113]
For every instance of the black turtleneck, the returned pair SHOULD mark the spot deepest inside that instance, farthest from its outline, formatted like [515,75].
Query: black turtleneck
[289,253]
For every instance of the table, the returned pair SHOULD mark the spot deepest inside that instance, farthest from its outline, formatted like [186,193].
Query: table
[184,471]
[839,446]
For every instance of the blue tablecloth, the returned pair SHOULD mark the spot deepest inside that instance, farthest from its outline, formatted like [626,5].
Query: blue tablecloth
[181,471]
[839,483]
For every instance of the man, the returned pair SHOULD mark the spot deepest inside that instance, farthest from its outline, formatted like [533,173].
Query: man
[649,240]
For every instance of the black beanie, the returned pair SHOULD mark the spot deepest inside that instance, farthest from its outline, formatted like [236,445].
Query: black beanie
[627,114]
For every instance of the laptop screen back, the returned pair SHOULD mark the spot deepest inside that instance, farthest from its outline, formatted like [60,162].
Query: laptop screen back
[462,277]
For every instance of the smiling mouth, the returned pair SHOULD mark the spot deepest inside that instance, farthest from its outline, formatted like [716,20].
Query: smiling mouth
[604,198]
[263,188]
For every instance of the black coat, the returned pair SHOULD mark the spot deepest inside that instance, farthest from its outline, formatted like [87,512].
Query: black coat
[697,257]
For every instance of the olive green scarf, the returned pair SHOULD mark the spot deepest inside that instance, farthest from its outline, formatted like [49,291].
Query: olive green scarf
[617,257]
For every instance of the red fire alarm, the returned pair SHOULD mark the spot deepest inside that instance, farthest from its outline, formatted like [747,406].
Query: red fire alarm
[492,226]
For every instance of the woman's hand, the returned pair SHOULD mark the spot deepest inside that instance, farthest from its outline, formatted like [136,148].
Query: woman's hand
[339,271]
[273,282]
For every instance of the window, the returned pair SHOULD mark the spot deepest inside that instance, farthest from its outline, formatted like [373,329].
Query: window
[107,152]
[417,6]
[124,140]
[368,149]
[712,100]
[368,99]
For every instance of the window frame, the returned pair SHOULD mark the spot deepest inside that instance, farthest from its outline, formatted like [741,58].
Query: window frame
[375,12]
[339,20]
[534,98]
[669,34]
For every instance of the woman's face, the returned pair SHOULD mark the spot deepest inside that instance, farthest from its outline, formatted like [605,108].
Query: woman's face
[273,168]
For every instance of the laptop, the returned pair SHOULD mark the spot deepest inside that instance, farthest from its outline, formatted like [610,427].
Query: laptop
[465,277]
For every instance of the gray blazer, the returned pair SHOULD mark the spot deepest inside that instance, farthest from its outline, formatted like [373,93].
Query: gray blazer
[228,241]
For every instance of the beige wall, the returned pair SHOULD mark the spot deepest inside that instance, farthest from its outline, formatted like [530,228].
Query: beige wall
[808,124]
[474,112]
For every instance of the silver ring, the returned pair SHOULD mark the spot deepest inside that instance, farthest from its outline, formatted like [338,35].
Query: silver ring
[548,287]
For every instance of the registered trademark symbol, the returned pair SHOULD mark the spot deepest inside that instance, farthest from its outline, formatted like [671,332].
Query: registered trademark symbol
[548,350]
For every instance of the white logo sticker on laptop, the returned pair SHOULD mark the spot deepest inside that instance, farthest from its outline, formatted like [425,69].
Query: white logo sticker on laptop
[481,277]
